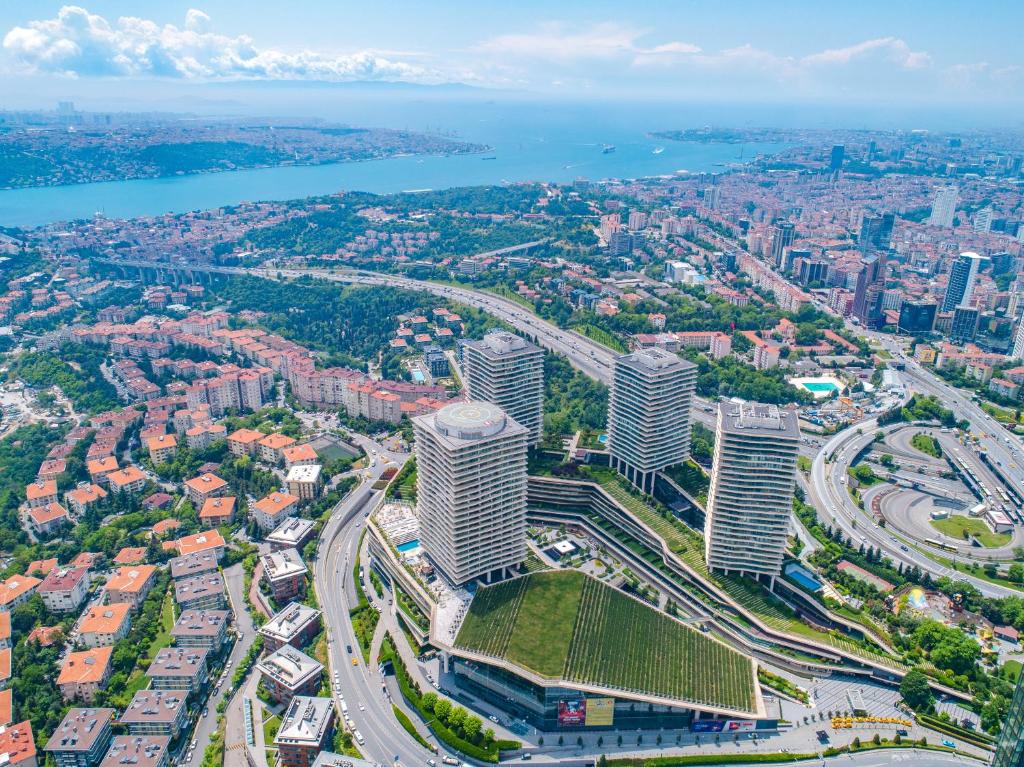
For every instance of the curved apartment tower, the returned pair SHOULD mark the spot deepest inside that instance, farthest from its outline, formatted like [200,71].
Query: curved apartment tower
[750,501]
[471,490]
[649,413]
[507,371]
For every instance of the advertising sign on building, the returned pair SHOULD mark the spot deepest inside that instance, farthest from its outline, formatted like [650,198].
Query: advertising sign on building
[600,712]
[572,713]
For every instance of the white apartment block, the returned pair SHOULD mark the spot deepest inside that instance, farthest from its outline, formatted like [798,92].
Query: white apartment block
[649,413]
[750,502]
[471,490]
[507,371]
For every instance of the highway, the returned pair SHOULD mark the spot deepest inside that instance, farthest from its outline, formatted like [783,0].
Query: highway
[385,741]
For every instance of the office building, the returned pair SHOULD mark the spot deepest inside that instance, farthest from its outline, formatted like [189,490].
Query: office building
[962,275]
[82,738]
[750,501]
[507,371]
[836,157]
[876,231]
[867,296]
[649,413]
[1010,748]
[917,316]
[783,237]
[965,324]
[944,206]
[471,490]
[306,729]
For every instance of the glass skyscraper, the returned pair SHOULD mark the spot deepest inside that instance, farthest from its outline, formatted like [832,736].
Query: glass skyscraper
[1010,749]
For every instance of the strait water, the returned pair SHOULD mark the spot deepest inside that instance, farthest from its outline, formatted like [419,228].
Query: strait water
[529,142]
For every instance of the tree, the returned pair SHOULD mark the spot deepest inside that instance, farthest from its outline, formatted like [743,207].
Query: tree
[442,708]
[471,727]
[429,700]
[915,690]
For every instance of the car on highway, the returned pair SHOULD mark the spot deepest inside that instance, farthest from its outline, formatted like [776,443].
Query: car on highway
[348,649]
[948,743]
[355,662]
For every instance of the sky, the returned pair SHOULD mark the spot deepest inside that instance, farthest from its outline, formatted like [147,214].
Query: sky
[111,54]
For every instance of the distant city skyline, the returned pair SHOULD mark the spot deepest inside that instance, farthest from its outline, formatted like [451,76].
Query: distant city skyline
[111,52]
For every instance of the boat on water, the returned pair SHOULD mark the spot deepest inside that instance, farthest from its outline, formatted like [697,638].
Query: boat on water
[658,150]
[489,157]
[608,148]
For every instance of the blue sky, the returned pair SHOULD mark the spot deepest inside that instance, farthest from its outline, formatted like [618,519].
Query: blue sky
[934,53]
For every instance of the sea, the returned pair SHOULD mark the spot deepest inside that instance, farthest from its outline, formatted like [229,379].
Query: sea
[542,142]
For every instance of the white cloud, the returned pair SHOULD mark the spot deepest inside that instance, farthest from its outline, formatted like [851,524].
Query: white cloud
[556,42]
[891,49]
[78,43]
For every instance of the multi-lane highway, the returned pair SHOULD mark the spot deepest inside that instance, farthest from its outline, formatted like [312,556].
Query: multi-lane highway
[360,685]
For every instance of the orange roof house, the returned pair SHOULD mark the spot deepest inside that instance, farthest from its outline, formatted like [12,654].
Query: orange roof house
[17,745]
[130,555]
[217,511]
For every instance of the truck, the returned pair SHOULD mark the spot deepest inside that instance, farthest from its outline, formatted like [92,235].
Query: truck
[450,760]
[359,737]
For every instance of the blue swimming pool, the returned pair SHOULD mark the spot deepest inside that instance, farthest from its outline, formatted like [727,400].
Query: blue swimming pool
[407,546]
[417,376]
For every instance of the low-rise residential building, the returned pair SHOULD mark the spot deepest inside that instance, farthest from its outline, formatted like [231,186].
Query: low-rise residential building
[285,573]
[201,628]
[208,540]
[130,479]
[84,673]
[131,555]
[304,481]
[18,746]
[244,441]
[5,633]
[299,455]
[17,589]
[48,519]
[105,624]
[82,738]
[200,592]
[203,487]
[83,497]
[41,493]
[295,625]
[288,672]
[64,589]
[272,445]
[131,585]
[156,712]
[270,511]
[99,468]
[193,564]
[293,533]
[307,726]
[138,751]
[40,568]
[162,448]
[217,511]
[178,668]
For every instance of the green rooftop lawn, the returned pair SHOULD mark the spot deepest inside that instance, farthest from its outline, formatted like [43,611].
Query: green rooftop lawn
[565,625]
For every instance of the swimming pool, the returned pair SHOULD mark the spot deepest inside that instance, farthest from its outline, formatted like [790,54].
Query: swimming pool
[820,387]
[417,376]
[408,546]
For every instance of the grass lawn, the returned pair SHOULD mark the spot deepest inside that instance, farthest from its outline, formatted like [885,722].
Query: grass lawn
[167,618]
[601,336]
[270,728]
[958,526]
[927,444]
[565,625]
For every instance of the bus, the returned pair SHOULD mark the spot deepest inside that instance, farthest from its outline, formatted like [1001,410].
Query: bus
[940,544]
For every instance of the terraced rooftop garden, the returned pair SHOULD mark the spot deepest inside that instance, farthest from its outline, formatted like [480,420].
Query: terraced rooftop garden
[564,625]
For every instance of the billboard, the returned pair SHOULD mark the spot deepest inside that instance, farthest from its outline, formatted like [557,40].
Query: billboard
[707,725]
[600,712]
[740,725]
[572,713]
